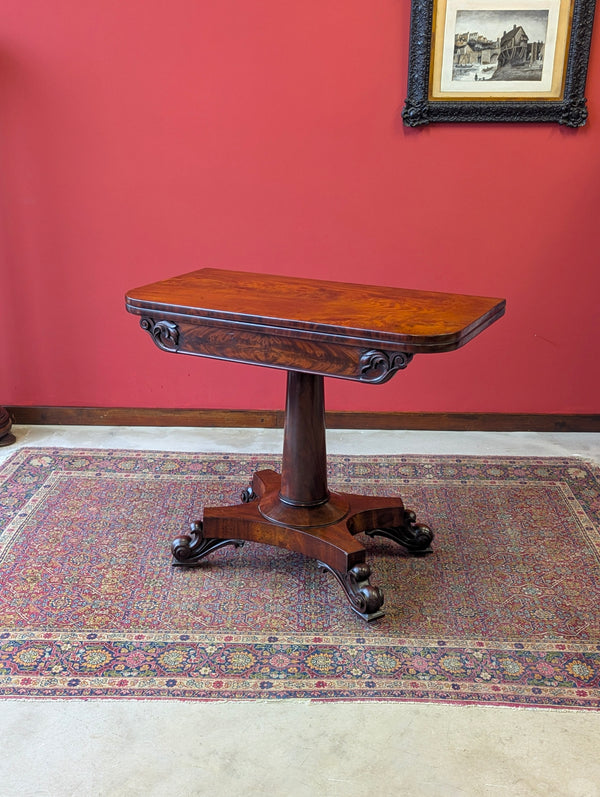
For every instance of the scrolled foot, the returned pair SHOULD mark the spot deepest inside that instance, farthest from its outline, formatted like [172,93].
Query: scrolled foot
[189,548]
[415,537]
[365,599]
[248,495]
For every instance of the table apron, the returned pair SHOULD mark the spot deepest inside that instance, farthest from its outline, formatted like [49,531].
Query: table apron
[359,361]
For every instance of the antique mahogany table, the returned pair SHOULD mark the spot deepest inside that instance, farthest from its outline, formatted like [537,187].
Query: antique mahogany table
[312,329]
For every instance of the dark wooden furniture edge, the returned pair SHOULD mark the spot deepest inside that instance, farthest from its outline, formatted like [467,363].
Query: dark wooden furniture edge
[274,419]
[6,437]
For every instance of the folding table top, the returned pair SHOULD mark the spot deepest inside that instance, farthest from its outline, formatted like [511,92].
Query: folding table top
[305,324]
[435,321]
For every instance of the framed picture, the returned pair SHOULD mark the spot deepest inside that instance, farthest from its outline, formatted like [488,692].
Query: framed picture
[498,61]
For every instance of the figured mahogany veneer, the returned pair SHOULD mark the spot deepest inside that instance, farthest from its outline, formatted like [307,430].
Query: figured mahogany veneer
[311,328]
[353,331]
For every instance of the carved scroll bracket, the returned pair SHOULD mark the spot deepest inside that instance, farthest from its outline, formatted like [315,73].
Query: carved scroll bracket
[164,333]
[378,366]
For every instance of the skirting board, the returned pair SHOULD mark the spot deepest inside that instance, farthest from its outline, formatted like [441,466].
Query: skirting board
[274,419]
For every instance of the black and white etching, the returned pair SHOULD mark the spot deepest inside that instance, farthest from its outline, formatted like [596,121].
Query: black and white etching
[499,45]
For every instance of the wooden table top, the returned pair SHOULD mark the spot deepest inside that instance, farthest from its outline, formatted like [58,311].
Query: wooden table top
[415,321]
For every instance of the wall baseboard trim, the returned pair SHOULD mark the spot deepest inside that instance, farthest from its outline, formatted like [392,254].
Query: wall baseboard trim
[274,419]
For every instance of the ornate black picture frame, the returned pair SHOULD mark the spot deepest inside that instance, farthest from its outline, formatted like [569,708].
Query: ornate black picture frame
[460,67]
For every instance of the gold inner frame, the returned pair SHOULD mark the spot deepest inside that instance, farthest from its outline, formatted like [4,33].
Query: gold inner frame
[563,35]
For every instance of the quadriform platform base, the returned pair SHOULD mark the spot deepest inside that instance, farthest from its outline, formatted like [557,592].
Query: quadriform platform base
[312,329]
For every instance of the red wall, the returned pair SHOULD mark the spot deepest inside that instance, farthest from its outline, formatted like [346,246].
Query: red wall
[142,139]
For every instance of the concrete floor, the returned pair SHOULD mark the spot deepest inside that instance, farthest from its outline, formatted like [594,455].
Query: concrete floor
[63,748]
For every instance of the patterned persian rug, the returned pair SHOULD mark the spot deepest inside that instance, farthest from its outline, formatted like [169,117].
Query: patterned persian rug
[504,611]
